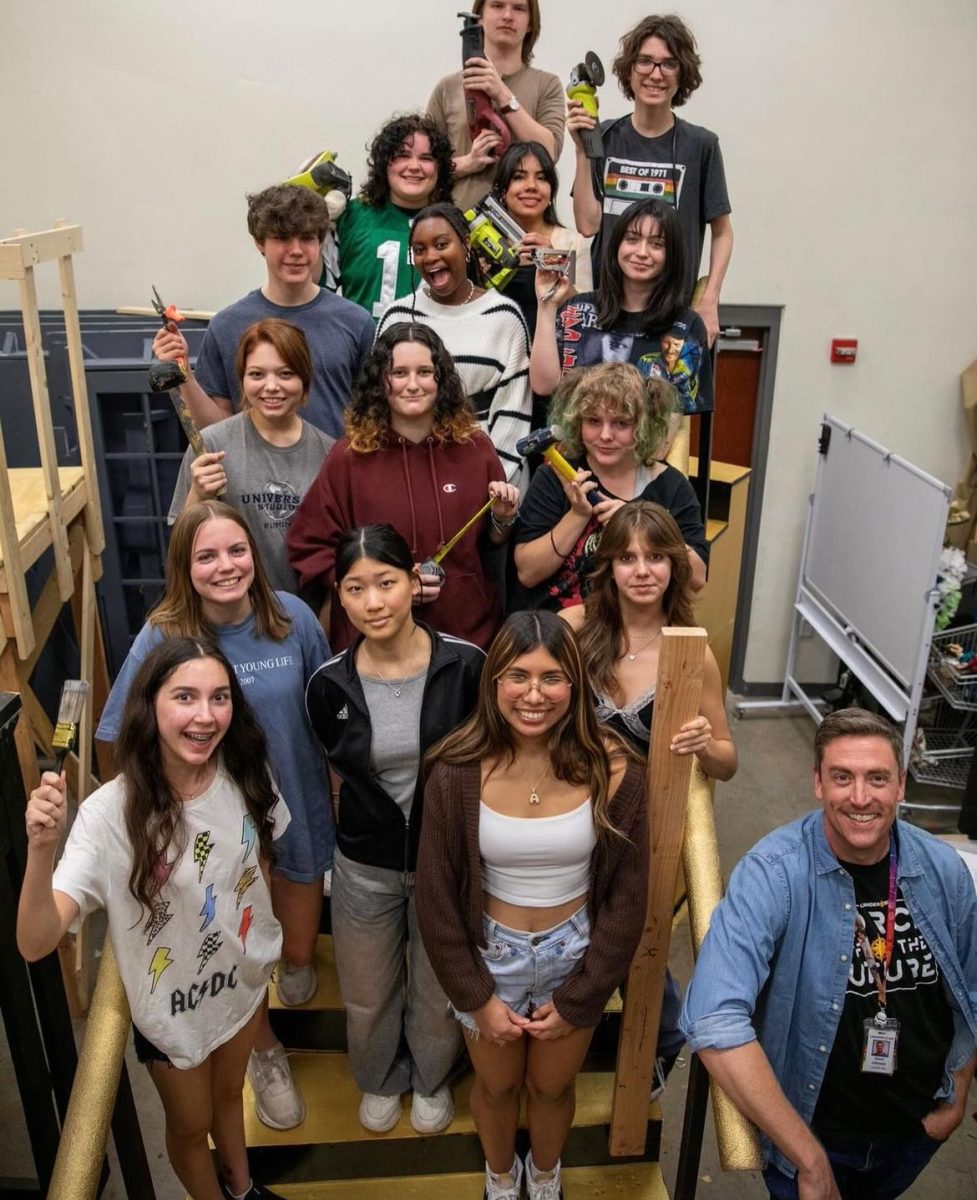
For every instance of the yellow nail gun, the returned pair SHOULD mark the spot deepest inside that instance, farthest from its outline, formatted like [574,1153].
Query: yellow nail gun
[495,238]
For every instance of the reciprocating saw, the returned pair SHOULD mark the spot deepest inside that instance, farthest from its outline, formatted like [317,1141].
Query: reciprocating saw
[479,109]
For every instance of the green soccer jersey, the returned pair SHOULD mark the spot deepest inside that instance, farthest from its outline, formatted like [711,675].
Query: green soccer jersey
[373,255]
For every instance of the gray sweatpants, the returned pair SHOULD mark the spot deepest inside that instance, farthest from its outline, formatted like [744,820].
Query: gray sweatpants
[399,1028]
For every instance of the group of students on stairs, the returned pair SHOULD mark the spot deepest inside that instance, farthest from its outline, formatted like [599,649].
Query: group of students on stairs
[470,788]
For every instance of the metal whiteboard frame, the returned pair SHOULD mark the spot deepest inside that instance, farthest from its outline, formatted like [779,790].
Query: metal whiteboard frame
[901,700]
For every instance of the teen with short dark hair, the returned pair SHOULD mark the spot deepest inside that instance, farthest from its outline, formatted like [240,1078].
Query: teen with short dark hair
[651,153]
[409,167]
[288,224]
[638,313]
[530,101]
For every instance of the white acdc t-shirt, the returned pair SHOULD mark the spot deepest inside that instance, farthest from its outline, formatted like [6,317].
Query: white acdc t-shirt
[197,966]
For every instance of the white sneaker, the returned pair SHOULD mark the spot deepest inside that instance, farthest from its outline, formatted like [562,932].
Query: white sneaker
[379,1113]
[431,1114]
[276,1098]
[295,985]
[542,1185]
[504,1187]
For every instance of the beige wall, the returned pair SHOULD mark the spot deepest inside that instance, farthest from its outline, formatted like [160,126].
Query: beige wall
[848,131]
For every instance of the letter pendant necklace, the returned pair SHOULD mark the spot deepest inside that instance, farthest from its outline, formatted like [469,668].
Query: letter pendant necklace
[534,794]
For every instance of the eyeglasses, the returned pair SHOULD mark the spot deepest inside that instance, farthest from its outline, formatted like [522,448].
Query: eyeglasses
[553,686]
[645,65]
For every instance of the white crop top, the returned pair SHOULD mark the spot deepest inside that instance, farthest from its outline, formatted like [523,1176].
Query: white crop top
[538,862]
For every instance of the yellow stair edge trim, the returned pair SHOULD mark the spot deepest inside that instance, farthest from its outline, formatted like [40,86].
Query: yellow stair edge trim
[332,1102]
[636,1181]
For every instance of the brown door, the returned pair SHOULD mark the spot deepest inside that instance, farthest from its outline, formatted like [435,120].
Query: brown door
[737,388]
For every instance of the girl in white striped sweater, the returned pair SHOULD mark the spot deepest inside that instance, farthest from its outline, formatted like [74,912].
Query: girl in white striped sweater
[483,332]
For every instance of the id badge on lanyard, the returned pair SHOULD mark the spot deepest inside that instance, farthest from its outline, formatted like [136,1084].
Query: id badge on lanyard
[880,1041]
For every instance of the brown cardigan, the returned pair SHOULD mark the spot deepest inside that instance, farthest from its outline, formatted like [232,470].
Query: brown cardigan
[449,895]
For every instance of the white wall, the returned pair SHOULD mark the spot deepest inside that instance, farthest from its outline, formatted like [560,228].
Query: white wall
[848,131]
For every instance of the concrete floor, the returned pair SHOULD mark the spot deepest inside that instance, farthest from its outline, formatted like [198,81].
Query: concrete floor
[772,787]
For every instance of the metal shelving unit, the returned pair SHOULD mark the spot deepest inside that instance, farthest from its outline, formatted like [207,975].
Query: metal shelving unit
[948,719]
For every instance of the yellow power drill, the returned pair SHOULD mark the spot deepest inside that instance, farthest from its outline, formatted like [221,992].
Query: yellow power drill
[585,79]
[324,175]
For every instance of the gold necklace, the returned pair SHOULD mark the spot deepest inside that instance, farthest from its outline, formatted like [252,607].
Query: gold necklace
[188,797]
[534,794]
[631,656]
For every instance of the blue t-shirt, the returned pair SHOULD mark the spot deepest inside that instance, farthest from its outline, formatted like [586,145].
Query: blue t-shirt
[273,676]
[340,336]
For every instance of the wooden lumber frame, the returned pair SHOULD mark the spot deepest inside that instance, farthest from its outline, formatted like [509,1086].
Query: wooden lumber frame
[72,529]
[680,668]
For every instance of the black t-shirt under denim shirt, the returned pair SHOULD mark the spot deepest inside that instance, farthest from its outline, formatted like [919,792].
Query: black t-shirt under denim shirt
[886,1108]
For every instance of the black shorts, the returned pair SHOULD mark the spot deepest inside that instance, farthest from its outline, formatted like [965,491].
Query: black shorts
[146,1052]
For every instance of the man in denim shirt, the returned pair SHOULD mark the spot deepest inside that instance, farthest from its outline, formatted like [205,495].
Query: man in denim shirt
[835,996]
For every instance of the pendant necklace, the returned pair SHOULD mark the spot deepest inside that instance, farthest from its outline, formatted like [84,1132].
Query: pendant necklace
[534,794]
[632,655]
[396,688]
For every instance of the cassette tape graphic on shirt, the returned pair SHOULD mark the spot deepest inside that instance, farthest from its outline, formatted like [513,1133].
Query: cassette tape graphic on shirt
[626,181]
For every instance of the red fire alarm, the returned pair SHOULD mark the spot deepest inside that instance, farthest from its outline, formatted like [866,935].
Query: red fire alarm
[843,350]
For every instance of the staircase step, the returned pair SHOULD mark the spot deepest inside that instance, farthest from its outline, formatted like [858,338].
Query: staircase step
[636,1181]
[331,1143]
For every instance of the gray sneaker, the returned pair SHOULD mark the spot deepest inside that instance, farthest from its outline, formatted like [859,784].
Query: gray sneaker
[276,1098]
[295,985]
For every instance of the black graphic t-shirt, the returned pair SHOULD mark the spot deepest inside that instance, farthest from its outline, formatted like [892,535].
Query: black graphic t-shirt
[886,1107]
[678,353]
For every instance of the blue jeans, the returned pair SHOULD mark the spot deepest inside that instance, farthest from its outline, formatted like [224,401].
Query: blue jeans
[864,1170]
[529,967]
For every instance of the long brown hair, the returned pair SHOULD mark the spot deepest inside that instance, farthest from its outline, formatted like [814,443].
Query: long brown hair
[179,612]
[578,744]
[600,638]
[153,813]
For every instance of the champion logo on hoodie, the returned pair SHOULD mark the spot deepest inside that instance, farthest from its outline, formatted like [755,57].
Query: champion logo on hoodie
[343,714]
[449,487]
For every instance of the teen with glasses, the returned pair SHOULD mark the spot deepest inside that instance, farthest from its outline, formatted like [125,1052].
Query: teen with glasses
[531,883]
[651,154]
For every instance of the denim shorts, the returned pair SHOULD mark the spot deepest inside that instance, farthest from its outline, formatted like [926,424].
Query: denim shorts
[529,967]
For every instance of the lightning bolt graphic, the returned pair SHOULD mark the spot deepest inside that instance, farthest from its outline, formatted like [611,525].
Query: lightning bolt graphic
[161,960]
[157,919]
[208,948]
[248,876]
[249,835]
[202,846]
[242,932]
[209,910]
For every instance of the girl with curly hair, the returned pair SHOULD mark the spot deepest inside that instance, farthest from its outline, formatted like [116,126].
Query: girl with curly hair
[409,167]
[158,848]
[485,333]
[615,422]
[414,457]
